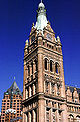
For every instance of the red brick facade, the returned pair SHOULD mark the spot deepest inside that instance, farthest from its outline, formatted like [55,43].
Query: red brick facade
[45,98]
[12,100]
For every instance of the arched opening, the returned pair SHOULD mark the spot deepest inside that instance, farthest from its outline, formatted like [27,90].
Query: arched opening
[45,64]
[71,118]
[77,118]
[51,68]
[56,68]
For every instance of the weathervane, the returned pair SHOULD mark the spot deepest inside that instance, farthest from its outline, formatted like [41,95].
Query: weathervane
[14,77]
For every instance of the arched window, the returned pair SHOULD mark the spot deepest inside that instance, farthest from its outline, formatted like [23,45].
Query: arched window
[51,68]
[77,118]
[56,68]
[45,64]
[71,118]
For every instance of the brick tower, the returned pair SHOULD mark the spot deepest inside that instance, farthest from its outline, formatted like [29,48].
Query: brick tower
[44,98]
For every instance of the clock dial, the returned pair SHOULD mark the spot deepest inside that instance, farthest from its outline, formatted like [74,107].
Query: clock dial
[49,36]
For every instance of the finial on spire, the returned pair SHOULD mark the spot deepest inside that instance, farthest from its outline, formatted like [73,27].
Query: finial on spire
[14,77]
[41,17]
[41,1]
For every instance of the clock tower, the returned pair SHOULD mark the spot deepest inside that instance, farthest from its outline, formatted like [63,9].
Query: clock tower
[44,98]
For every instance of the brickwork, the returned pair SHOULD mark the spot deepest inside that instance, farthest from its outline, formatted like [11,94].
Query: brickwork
[12,100]
[45,98]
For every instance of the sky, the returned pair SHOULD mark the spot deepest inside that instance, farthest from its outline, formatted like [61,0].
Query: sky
[16,18]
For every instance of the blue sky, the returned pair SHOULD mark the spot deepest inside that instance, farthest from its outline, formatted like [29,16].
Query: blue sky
[16,18]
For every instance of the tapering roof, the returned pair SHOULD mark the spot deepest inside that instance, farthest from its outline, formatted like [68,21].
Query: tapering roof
[41,17]
[14,89]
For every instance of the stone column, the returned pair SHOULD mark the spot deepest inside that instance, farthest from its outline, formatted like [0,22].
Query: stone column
[34,116]
[53,67]
[55,87]
[41,110]
[44,87]
[57,114]
[29,91]
[33,89]
[48,65]
[26,93]
[34,69]
[30,69]
[26,74]
[40,73]
[45,110]
[51,115]
[62,77]
[50,87]
[64,113]
[24,116]
[29,117]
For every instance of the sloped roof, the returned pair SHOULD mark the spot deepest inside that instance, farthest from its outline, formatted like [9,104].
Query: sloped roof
[14,89]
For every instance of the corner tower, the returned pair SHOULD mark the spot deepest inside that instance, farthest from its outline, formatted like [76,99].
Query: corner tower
[44,98]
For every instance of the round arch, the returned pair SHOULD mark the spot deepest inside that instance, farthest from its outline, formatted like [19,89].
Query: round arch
[71,118]
[77,118]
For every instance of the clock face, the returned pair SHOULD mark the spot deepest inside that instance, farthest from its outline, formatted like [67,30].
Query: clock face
[49,36]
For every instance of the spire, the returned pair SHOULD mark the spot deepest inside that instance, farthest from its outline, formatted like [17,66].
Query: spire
[14,89]
[41,17]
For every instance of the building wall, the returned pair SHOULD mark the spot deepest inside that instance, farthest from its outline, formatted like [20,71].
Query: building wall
[44,84]
[45,98]
[73,103]
[6,104]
